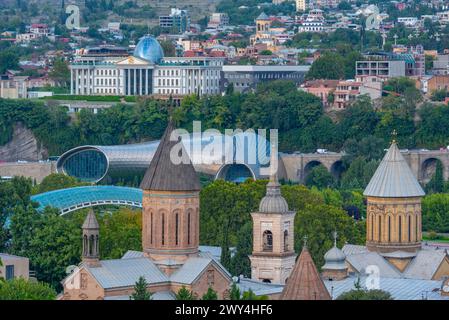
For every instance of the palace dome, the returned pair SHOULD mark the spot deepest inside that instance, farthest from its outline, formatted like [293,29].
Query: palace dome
[149,49]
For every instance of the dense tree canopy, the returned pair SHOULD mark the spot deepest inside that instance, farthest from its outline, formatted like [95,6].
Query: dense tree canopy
[21,289]
[360,294]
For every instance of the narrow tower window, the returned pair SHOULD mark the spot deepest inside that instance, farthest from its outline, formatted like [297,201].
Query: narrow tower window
[163,229]
[91,245]
[372,227]
[389,229]
[285,240]
[86,245]
[400,229]
[417,228]
[409,229]
[151,228]
[267,240]
[188,228]
[177,228]
[380,228]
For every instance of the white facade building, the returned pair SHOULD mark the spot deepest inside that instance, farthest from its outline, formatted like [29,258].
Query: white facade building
[145,73]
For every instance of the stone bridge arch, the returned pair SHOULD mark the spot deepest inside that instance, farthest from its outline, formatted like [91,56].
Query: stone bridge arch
[423,163]
[428,168]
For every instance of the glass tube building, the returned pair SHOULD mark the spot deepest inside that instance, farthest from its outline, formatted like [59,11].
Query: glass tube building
[234,158]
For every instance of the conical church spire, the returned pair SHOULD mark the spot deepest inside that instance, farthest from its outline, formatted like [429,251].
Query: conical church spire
[164,174]
[393,178]
[305,282]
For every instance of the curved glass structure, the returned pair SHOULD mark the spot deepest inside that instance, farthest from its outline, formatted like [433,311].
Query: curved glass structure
[87,165]
[237,173]
[149,49]
[210,154]
[71,199]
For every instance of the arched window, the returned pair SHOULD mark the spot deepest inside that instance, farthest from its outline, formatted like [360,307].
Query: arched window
[97,245]
[91,245]
[267,241]
[285,240]
[177,228]
[372,227]
[85,245]
[266,280]
[389,229]
[163,229]
[400,229]
[151,228]
[188,228]
[409,229]
[380,228]
[417,228]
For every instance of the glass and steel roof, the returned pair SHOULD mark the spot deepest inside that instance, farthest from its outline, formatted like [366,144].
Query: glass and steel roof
[149,49]
[208,154]
[71,199]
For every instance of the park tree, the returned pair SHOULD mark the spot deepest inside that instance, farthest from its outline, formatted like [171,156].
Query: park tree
[250,295]
[439,95]
[225,258]
[320,177]
[434,212]
[56,181]
[358,120]
[326,219]
[9,59]
[184,294]
[21,289]
[359,173]
[140,290]
[240,263]
[51,242]
[13,194]
[60,73]
[433,127]
[120,231]
[211,294]
[328,66]
[361,294]
[436,183]
[235,293]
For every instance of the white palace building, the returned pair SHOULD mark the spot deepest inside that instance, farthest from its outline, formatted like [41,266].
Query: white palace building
[112,71]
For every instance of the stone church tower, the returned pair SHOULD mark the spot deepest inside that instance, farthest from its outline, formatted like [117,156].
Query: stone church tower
[273,255]
[393,221]
[170,216]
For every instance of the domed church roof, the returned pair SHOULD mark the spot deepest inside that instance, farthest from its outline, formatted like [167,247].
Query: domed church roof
[273,202]
[393,178]
[335,258]
[149,49]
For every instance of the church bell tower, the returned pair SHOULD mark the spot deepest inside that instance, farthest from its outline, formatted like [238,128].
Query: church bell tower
[170,216]
[91,243]
[273,256]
